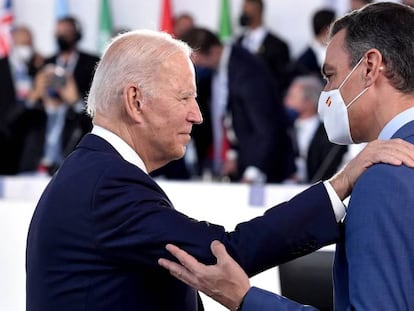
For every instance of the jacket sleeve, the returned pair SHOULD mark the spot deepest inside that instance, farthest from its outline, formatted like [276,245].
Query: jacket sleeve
[134,221]
[261,300]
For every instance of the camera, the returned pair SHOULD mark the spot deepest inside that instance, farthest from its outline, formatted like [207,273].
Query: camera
[58,79]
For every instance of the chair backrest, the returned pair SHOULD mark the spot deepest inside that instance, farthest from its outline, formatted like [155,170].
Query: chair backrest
[308,280]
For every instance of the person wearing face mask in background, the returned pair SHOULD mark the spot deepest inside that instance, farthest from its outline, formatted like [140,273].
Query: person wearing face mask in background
[70,59]
[257,39]
[43,135]
[369,67]
[25,61]
[316,157]
[17,72]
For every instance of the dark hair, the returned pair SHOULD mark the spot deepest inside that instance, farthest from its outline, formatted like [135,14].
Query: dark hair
[259,3]
[387,27]
[75,24]
[322,19]
[201,39]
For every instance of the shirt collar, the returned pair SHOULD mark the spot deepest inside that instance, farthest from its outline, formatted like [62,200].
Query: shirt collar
[396,123]
[253,38]
[125,150]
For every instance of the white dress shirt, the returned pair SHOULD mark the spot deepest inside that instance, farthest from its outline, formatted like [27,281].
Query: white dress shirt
[253,39]
[396,123]
[125,150]
[305,130]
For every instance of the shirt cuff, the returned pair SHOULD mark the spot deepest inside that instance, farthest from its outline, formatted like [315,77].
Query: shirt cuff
[262,300]
[337,205]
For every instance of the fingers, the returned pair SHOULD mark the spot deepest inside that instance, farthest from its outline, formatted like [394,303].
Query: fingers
[172,266]
[394,151]
[403,151]
[185,259]
[219,250]
[178,271]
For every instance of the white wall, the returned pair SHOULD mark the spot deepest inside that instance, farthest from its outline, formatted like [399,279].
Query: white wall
[282,16]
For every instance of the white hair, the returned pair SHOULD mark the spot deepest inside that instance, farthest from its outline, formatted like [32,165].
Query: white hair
[131,57]
[312,87]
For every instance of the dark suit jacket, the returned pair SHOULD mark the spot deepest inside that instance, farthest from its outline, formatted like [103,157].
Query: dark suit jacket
[202,134]
[276,56]
[306,64]
[259,119]
[374,263]
[83,71]
[10,110]
[7,91]
[324,157]
[102,224]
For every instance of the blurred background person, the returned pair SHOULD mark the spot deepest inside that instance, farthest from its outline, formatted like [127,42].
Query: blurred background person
[25,61]
[72,60]
[311,59]
[357,4]
[408,2]
[259,40]
[316,157]
[182,23]
[17,72]
[43,135]
[250,142]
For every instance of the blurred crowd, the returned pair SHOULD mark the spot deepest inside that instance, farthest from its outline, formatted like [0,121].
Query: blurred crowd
[259,104]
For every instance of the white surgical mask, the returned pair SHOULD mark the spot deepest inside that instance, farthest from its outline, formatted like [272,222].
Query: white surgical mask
[22,53]
[333,111]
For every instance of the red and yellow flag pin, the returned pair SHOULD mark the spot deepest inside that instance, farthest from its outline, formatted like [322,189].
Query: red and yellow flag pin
[328,101]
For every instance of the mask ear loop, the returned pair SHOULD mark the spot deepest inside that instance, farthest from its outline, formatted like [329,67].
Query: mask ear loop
[351,72]
[359,95]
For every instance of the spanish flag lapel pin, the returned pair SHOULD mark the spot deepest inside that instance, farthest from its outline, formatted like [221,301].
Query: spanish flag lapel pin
[328,101]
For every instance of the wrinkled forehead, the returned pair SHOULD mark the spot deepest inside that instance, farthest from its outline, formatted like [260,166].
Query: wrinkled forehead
[177,73]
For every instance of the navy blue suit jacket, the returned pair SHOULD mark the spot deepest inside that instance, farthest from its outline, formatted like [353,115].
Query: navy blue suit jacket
[259,118]
[374,264]
[102,223]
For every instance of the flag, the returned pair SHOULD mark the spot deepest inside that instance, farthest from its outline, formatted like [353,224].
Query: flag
[6,21]
[105,25]
[225,29]
[61,8]
[166,17]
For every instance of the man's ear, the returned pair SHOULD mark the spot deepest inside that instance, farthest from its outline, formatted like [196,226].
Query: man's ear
[375,66]
[132,101]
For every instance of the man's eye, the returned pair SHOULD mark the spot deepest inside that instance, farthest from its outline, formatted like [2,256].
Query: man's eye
[326,77]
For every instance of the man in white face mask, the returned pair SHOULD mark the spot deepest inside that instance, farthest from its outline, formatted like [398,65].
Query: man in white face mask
[333,110]
[369,95]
